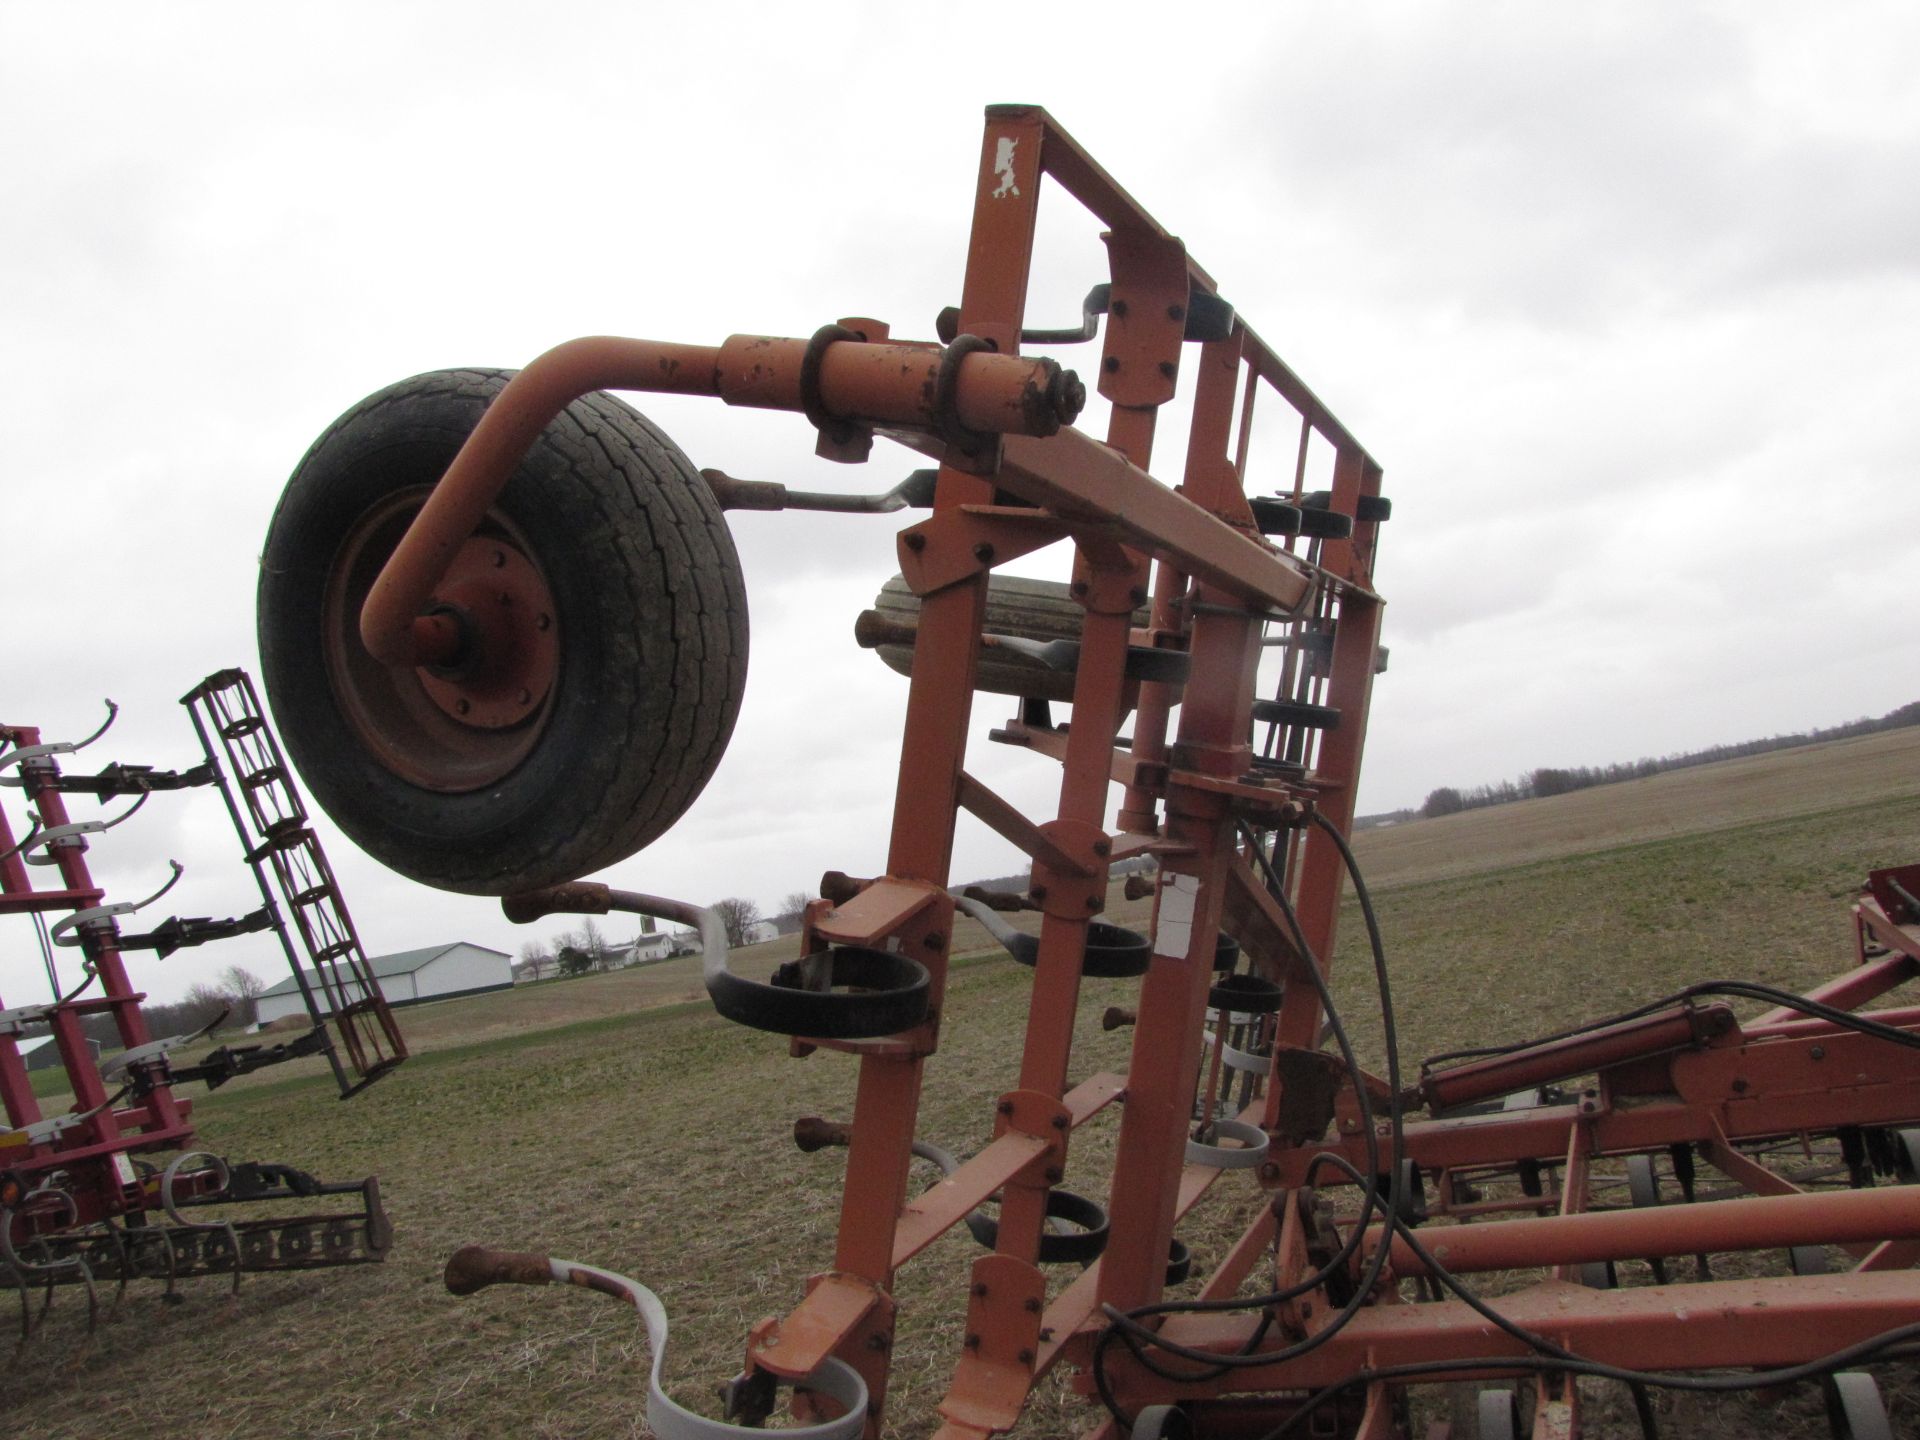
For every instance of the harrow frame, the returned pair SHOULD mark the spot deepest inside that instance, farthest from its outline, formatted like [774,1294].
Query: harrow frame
[1250,840]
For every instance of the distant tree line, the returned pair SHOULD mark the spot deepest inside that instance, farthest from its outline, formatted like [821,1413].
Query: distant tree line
[234,993]
[1559,780]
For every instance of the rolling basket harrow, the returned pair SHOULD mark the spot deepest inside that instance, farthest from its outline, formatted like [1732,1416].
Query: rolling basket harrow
[530,631]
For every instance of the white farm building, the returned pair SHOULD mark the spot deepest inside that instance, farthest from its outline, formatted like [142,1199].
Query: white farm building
[438,972]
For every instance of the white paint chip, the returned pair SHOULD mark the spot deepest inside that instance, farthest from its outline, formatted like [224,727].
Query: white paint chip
[1003,167]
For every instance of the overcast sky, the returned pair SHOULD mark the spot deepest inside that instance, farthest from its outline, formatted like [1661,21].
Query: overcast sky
[1623,297]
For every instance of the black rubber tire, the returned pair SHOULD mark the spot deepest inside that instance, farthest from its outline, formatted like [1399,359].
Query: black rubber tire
[1274,517]
[871,993]
[1016,605]
[653,627]
[1081,1246]
[1325,525]
[1296,712]
[1245,994]
[1114,953]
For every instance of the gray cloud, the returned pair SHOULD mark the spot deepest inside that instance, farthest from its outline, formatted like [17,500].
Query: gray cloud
[1623,298]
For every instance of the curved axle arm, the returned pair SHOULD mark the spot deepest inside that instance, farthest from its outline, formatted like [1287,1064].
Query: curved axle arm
[473,1267]
[886,384]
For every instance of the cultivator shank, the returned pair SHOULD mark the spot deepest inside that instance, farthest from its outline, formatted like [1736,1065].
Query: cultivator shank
[1218,651]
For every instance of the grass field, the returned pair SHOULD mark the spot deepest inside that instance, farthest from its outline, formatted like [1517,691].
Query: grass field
[616,1119]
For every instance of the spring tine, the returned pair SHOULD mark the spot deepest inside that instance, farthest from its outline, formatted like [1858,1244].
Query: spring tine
[47,839]
[233,1239]
[113,713]
[126,1261]
[169,1295]
[93,1294]
[63,932]
[33,831]
[24,753]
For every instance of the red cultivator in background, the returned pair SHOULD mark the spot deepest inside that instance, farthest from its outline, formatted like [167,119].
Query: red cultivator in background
[79,1203]
[533,673]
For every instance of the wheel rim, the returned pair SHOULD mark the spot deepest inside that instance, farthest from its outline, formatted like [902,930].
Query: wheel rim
[462,726]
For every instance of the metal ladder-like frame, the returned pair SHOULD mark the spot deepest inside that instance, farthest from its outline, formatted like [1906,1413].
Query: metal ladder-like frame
[336,981]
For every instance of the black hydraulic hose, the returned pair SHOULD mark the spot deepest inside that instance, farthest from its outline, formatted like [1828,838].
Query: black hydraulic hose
[1549,1358]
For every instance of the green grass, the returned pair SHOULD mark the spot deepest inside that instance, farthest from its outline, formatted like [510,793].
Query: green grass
[656,1141]
[1528,949]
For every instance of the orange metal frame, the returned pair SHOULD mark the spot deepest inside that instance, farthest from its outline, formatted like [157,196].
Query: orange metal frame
[1220,592]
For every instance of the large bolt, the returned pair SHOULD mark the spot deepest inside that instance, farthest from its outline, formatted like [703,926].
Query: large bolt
[1067,395]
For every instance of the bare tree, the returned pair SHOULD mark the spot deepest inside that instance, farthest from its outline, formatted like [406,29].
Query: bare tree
[579,951]
[595,944]
[738,915]
[536,957]
[204,1004]
[788,918]
[244,988]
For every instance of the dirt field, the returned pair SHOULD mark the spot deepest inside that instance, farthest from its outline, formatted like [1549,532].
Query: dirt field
[601,1120]
[1776,786]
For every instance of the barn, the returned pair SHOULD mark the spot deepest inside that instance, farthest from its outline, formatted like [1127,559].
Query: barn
[439,972]
[45,1054]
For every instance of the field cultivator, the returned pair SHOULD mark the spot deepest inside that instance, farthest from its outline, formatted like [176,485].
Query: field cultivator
[84,1196]
[532,634]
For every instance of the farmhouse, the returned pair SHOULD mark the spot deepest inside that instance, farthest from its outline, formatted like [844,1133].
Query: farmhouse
[438,972]
[641,950]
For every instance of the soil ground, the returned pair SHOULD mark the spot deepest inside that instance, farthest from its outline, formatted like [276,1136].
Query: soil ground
[615,1119]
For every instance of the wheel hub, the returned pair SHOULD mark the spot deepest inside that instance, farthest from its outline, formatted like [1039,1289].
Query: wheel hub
[510,643]
[466,720]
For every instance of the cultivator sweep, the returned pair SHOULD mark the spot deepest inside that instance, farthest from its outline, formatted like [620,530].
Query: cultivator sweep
[533,673]
[80,1203]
